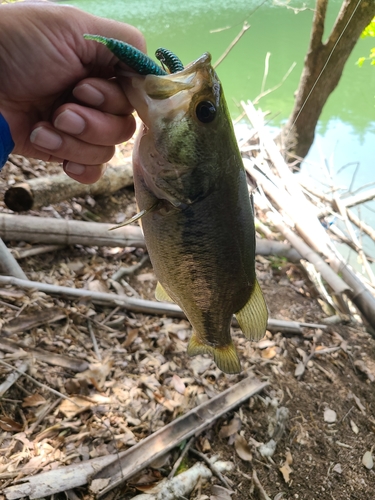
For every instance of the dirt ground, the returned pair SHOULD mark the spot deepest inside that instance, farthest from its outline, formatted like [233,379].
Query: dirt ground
[319,406]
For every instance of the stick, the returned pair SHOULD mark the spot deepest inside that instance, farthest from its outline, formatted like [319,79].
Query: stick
[65,232]
[139,305]
[51,189]
[118,469]
[8,263]
[245,27]
[181,457]
[214,470]
[12,378]
[342,211]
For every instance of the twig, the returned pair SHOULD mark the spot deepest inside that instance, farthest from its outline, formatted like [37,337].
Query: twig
[214,470]
[139,305]
[36,382]
[262,493]
[181,457]
[12,378]
[45,412]
[245,27]
[93,340]
[31,252]
[272,89]
[8,263]
[129,270]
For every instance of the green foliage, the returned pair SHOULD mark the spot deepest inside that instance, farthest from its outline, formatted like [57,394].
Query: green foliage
[367,32]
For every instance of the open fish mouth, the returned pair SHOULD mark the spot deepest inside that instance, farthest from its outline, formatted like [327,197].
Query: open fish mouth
[173,96]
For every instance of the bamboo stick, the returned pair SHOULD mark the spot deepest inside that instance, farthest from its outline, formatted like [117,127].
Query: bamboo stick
[43,191]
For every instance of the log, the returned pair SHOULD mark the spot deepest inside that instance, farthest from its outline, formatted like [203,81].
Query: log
[72,232]
[67,232]
[137,305]
[43,191]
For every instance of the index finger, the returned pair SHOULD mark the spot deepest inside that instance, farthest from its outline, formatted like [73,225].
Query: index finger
[104,95]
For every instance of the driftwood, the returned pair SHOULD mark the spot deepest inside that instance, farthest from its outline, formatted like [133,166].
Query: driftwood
[8,264]
[43,191]
[67,232]
[138,305]
[115,469]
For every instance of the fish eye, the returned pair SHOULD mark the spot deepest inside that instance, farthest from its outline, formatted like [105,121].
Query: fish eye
[205,111]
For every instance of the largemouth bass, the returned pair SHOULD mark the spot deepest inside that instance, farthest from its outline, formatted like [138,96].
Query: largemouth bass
[199,225]
[191,189]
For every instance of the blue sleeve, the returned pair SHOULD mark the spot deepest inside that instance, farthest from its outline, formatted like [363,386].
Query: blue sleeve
[6,141]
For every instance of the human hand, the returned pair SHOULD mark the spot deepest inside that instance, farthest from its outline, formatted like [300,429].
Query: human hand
[58,92]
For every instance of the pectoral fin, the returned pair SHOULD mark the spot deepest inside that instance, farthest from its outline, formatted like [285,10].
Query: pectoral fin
[253,317]
[225,357]
[161,295]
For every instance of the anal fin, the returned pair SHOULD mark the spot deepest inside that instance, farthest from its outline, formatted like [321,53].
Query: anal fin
[225,357]
[253,317]
[161,295]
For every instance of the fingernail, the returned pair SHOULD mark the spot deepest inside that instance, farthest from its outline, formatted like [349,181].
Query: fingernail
[74,168]
[45,138]
[70,122]
[88,94]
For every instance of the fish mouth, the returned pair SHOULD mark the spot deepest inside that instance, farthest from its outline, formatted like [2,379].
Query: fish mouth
[171,96]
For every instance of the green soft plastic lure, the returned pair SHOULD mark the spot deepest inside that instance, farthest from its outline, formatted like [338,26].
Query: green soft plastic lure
[137,60]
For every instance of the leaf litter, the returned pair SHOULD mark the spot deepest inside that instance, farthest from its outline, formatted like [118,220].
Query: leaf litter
[145,381]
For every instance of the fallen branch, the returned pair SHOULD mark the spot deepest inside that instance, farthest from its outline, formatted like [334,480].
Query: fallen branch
[138,305]
[67,232]
[8,264]
[115,469]
[12,378]
[44,191]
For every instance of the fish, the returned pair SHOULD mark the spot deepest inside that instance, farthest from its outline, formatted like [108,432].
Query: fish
[194,205]
[198,218]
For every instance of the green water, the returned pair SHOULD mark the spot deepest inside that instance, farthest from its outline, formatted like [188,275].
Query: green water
[346,130]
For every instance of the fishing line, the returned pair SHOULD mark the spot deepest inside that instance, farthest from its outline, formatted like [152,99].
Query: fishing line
[324,67]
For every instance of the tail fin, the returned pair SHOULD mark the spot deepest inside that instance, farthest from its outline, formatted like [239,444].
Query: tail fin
[225,357]
[253,317]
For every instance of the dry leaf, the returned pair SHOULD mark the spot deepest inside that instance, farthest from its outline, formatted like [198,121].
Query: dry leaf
[330,416]
[9,425]
[337,468]
[242,448]
[178,384]
[33,400]
[97,286]
[368,460]
[354,427]
[286,471]
[74,406]
[220,493]
[233,427]
[269,352]
[300,369]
